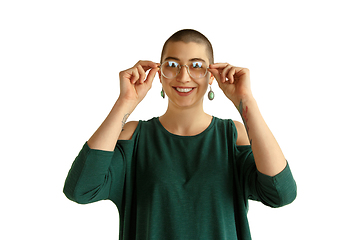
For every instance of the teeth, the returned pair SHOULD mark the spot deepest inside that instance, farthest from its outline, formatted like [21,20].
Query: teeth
[185,90]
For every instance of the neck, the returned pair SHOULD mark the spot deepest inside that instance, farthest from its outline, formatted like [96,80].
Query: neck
[185,121]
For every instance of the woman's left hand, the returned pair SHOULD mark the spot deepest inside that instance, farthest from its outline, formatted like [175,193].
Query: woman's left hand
[234,81]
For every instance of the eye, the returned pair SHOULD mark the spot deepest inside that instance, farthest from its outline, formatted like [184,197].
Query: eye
[197,64]
[173,64]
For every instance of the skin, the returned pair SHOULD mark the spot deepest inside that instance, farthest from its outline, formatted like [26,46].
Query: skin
[235,83]
[185,115]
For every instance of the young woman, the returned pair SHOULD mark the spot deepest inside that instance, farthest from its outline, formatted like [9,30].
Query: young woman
[185,174]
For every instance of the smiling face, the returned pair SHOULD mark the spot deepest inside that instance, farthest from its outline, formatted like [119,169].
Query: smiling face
[184,90]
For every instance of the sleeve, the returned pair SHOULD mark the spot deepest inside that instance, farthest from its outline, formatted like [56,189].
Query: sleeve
[91,176]
[276,191]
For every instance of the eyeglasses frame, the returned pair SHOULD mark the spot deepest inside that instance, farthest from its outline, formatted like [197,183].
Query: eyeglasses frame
[188,70]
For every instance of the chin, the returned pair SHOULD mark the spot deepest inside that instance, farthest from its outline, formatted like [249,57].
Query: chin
[187,103]
[192,100]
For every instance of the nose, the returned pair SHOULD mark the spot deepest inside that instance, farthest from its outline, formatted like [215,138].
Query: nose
[183,75]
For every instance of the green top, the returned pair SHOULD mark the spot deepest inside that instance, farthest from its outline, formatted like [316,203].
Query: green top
[167,186]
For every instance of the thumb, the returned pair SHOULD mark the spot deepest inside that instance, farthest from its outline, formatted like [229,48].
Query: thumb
[216,74]
[150,77]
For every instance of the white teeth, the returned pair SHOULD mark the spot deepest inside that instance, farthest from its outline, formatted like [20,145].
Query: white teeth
[185,90]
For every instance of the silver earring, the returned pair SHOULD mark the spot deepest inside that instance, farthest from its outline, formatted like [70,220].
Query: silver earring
[162,93]
[211,94]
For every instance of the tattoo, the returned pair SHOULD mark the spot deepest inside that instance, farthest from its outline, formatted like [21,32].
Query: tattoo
[243,112]
[124,121]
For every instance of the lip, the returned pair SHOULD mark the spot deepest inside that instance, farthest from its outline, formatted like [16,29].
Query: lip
[184,94]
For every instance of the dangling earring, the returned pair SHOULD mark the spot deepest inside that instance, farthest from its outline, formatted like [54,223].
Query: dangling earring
[211,94]
[162,93]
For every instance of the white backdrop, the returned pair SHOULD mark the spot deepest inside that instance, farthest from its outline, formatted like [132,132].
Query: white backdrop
[59,65]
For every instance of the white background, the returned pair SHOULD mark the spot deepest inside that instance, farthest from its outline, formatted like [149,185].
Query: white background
[59,65]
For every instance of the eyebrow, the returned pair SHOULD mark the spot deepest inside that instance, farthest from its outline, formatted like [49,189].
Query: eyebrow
[190,60]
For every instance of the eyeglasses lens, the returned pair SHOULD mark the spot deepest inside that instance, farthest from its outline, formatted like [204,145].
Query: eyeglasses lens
[171,69]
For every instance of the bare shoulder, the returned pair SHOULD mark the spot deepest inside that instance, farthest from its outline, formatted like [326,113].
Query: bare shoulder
[128,130]
[242,138]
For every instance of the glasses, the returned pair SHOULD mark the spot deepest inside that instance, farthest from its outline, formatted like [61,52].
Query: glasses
[170,69]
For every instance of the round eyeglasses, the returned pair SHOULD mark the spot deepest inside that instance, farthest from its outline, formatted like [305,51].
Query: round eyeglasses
[170,69]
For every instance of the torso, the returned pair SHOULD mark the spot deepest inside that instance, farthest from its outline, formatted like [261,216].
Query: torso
[130,127]
[192,129]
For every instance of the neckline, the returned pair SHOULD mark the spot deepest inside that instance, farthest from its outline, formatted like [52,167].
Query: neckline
[163,129]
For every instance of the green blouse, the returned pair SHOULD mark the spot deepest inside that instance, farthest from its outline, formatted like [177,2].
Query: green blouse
[174,187]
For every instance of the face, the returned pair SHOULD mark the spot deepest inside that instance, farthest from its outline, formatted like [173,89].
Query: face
[184,90]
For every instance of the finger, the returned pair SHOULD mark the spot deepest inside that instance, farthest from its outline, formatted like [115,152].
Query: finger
[216,73]
[150,77]
[220,83]
[134,75]
[148,64]
[142,74]
[224,73]
[231,73]
[241,71]
[218,65]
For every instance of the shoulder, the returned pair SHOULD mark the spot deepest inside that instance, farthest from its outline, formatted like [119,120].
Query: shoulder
[242,137]
[128,130]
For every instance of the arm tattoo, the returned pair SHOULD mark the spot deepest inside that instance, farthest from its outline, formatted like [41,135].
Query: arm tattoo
[243,112]
[124,121]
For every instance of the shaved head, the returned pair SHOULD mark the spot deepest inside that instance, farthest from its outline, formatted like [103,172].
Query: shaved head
[190,35]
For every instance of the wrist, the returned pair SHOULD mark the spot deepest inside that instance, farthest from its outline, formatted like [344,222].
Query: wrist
[244,100]
[127,105]
[247,99]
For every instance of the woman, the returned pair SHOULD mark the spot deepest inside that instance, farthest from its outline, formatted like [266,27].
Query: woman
[185,174]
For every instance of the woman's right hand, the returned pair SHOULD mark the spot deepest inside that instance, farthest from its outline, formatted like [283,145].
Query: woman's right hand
[134,84]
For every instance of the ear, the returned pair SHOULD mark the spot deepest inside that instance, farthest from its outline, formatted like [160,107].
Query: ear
[159,72]
[211,78]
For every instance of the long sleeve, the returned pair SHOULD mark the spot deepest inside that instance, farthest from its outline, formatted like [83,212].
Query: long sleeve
[276,191]
[90,178]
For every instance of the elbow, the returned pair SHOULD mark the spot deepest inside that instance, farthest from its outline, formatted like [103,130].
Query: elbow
[278,195]
[85,195]
[78,198]
[74,195]
[290,196]
[286,197]
[284,189]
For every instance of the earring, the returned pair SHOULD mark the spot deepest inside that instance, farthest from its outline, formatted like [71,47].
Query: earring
[162,93]
[211,94]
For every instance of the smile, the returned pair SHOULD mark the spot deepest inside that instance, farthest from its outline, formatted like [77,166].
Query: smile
[184,91]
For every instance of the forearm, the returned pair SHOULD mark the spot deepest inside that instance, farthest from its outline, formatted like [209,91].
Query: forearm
[86,184]
[268,156]
[107,134]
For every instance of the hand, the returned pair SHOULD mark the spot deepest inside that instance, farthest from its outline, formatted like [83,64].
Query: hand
[134,84]
[234,81]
